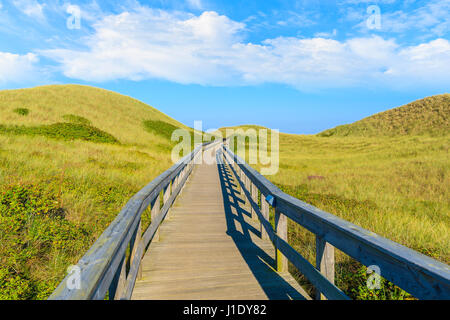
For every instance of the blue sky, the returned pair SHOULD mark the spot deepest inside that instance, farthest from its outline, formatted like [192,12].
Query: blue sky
[298,66]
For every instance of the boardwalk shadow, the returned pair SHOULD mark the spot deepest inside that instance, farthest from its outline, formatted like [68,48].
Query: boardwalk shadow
[259,262]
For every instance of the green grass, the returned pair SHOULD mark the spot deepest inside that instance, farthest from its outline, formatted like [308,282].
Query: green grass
[76,119]
[426,116]
[22,111]
[388,173]
[33,229]
[165,130]
[397,187]
[160,128]
[61,185]
[65,131]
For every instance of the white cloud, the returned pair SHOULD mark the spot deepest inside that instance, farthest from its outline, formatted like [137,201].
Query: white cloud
[431,60]
[31,8]
[15,68]
[212,28]
[209,49]
[154,44]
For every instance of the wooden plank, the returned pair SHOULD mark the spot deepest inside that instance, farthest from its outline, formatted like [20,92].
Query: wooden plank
[166,195]
[265,213]
[146,238]
[255,199]
[311,273]
[135,242]
[210,251]
[324,262]
[281,231]
[247,187]
[154,214]
[118,283]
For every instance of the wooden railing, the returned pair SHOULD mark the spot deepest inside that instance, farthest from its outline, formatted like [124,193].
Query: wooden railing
[112,264]
[421,276]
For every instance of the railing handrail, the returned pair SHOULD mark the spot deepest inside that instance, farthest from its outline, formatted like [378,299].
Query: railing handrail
[99,265]
[418,274]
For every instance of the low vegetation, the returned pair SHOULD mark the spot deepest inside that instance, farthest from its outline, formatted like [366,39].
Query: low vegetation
[64,177]
[396,186]
[160,128]
[37,241]
[67,171]
[22,111]
[165,130]
[76,119]
[65,131]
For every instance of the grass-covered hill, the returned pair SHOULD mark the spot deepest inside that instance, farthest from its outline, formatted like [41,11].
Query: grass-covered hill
[116,114]
[375,175]
[428,116]
[70,158]
[244,127]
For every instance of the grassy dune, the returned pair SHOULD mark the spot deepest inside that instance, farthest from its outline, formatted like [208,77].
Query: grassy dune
[426,116]
[397,186]
[70,158]
[404,182]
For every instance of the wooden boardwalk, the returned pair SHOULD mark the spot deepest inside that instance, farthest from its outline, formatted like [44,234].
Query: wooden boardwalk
[210,248]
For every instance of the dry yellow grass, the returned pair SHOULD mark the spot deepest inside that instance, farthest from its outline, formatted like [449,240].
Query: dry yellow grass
[396,186]
[425,116]
[92,181]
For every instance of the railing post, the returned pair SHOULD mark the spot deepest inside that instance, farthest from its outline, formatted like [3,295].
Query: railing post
[248,187]
[281,231]
[265,214]
[324,262]
[186,171]
[166,197]
[118,283]
[167,193]
[155,212]
[177,180]
[174,183]
[135,242]
[254,193]
[245,180]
